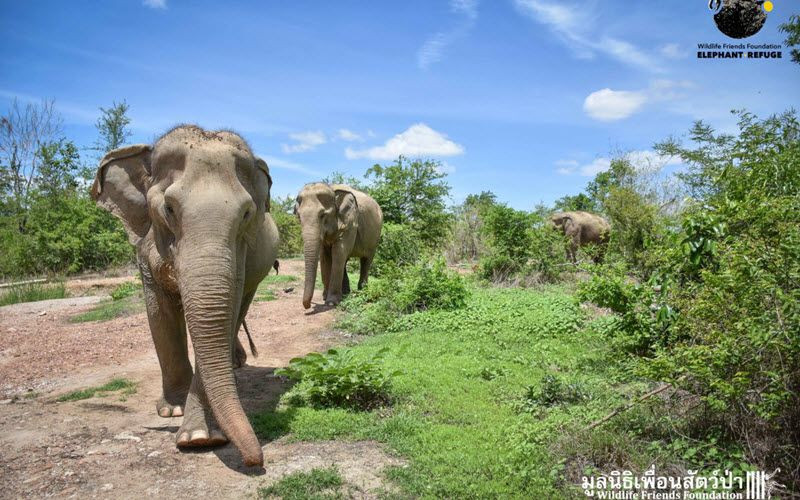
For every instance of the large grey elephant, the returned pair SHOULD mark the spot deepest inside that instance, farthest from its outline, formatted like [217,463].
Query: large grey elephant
[338,222]
[196,207]
[582,228]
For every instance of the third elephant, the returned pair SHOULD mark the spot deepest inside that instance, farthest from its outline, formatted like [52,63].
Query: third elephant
[338,222]
[582,228]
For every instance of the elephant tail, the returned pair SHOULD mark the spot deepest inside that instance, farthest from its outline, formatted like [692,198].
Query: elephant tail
[276,266]
[253,349]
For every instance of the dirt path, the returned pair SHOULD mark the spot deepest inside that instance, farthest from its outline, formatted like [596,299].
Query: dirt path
[117,447]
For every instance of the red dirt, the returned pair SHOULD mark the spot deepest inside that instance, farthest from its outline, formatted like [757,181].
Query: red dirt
[117,447]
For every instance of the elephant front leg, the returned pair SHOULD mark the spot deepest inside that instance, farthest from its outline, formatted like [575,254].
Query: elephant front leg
[169,337]
[338,263]
[325,260]
[199,428]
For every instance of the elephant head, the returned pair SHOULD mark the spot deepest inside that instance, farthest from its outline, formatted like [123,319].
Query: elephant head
[325,212]
[191,204]
[563,222]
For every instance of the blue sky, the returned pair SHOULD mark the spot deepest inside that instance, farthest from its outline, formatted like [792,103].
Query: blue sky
[526,98]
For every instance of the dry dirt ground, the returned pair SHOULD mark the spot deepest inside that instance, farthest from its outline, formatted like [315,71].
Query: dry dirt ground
[116,446]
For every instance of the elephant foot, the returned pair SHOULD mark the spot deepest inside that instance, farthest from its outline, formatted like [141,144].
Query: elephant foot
[171,405]
[167,410]
[199,430]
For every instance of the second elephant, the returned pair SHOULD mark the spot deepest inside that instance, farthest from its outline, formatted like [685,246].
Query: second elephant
[338,222]
[582,228]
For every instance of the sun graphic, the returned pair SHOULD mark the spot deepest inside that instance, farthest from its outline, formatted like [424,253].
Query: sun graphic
[768,6]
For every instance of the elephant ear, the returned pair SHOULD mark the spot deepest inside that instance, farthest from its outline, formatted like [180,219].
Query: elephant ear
[346,208]
[120,187]
[263,167]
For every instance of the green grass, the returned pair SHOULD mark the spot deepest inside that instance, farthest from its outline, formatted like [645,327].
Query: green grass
[127,387]
[33,293]
[491,401]
[315,484]
[111,309]
[267,287]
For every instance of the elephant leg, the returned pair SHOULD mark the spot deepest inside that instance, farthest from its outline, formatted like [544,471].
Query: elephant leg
[168,330]
[345,281]
[325,265]
[366,263]
[239,352]
[199,428]
[338,262]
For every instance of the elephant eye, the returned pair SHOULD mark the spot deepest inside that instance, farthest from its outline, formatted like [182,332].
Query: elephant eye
[169,209]
[246,214]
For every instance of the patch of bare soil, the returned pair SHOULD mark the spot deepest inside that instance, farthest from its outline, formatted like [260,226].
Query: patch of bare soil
[116,446]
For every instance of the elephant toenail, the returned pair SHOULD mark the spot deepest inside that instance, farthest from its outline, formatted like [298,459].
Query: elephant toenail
[199,435]
[177,411]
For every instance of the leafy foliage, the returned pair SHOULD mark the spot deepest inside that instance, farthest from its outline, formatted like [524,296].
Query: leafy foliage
[399,247]
[413,192]
[792,30]
[291,239]
[126,289]
[339,379]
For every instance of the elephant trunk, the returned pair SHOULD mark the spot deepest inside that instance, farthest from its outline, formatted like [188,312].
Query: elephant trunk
[208,290]
[311,248]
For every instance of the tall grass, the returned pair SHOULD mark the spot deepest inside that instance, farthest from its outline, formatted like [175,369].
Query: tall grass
[33,292]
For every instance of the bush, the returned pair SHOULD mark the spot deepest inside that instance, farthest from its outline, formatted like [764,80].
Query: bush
[126,289]
[399,247]
[422,286]
[338,379]
[553,390]
[291,239]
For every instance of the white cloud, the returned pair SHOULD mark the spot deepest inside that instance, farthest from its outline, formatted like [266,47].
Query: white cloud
[349,135]
[434,47]
[573,25]
[306,141]
[672,51]
[155,4]
[611,105]
[649,161]
[282,164]
[595,167]
[418,140]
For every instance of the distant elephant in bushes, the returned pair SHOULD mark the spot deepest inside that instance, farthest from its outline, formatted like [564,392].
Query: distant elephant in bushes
[196,206]
[337,223]
[582,228]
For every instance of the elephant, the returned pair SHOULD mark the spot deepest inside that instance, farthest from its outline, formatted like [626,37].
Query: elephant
[195,205]
[582,228]
[338,222]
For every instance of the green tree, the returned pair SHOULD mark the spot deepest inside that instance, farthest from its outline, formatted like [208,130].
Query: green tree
[579,202]
[112,127]
[792,30]
[413,193]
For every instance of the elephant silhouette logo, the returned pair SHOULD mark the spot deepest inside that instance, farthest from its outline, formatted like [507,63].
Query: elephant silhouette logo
[740,18]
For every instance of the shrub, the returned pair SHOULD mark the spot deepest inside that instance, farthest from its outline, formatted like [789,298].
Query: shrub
[553,390]
[126,289]
[399,247]
[339,379]
[291,239]
[422,286]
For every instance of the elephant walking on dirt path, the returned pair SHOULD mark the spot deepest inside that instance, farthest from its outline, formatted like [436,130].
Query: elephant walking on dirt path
[338,222]
[196,207]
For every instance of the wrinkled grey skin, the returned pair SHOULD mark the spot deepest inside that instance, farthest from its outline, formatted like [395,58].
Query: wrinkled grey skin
[582,228]
[196,207]
[338,222]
